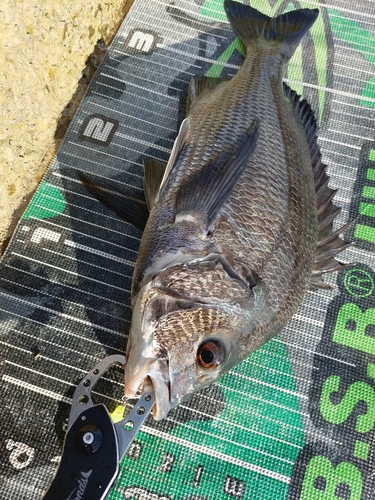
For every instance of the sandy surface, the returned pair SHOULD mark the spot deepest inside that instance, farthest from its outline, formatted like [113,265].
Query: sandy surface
[45,46]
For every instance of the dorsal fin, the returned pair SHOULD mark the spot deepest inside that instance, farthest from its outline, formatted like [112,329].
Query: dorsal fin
[198,86]
[329,244]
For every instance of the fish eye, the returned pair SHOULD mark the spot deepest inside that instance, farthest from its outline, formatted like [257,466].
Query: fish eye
[210,354]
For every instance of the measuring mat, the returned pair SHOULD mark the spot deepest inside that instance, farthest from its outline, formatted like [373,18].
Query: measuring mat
[293,421]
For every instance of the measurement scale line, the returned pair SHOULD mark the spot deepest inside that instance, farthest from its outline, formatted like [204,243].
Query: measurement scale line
[272,371]
[93,212]
[74,369]
[313,352]
[176,34]
[60,314]
[345,176]
[309,320]
[345,80]
[295,362]
[145,89]
[343,9]
[125,79]
[313,3]
[37,372]
[83,221]
[75,180]
[60,331]
[47,359]
[63,189]
[54,344]
[74,145]
[85,263]
[250,414]
[354,136]
[99,252]
[290,376]
[75,231]
[66,301]
[71,153]
[97,163]
[161,84]
[48,393]
[170,35]
[353,51]
[189,71]
[270,386]
[217,62]
[34,388]
[330,154]
[64,285]
[167,107]
[370,255]
[248,429]
[216,454]
[339,143]
[14,347]
[370,120]
[239,445]
[352,105]
[327,89]
[280,422]
[354,70]
[43,357]
[157,126]
[146,143]
[258,398]
[72,273]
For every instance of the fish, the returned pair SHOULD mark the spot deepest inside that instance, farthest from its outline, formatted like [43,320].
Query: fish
[237,226]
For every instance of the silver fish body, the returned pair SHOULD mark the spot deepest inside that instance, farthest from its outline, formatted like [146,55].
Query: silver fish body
[241,224]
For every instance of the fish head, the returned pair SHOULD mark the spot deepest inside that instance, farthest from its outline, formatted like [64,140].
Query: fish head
[190,325]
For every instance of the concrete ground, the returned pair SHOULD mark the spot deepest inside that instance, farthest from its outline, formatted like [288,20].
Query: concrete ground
[49,52]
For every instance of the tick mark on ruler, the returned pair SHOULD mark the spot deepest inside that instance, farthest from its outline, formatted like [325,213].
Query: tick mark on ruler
[41,234]
[198,476]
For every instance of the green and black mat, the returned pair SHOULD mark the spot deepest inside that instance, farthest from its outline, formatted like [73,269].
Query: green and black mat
[296,419]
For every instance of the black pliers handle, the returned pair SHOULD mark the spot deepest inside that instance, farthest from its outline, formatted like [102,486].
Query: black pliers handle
[94,445]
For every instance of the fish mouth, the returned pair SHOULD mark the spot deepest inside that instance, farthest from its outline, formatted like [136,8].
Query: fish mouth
[149,376]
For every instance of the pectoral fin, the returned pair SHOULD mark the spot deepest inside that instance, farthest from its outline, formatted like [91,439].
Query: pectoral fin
[210,188]
[130,206]
[178,145]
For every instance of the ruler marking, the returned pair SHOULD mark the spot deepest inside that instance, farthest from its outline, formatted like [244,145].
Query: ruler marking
[216,454]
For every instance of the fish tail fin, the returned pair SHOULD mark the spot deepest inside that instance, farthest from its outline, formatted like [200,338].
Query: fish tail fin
[251,25]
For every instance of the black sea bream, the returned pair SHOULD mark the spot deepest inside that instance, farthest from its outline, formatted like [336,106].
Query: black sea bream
[240,220]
